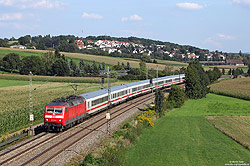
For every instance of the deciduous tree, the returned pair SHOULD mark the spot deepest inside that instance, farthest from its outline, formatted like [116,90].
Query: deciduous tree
[11,61]
[159,97]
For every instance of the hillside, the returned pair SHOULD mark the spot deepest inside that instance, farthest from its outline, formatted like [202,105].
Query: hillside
[88,57]
[132,47]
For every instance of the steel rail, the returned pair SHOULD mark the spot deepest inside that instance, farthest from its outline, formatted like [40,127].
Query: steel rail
[55,145]
[10,150]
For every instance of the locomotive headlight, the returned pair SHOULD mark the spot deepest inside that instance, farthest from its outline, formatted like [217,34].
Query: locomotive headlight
[60,120]
[46,119]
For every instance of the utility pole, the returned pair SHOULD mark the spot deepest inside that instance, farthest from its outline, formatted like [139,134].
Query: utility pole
[31,105]
[109,98]
[146,72]
[157,77]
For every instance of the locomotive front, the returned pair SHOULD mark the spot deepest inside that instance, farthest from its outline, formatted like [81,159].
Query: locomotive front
[54,116]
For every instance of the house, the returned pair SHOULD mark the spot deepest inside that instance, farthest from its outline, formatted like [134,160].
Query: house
[80,44]
[18,46]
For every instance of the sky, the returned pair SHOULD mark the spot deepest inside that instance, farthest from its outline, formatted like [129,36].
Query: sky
[222,25]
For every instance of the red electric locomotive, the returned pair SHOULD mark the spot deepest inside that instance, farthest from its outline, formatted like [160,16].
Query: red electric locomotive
[64,112]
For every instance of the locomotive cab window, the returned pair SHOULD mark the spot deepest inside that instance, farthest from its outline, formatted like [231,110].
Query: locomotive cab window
[58,110]
[50,110]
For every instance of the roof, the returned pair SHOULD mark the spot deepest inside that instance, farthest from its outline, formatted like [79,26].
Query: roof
[116,88]
[234,61]
[68,101]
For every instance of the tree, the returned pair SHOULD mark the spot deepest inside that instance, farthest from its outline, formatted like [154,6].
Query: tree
[203,80]
[217,72]
[11,61]
[81,64]
[60,68]
[95,69]
[33,64]
[176,97]
[24,40]
[3,43]
[236,73]
[48,59]
[223,71]
[159,96]
[57,53]
[117,67]
[103,66]
[143,69]
[193,88]
[248,71]
[73,67]
[128,66]
[229,71]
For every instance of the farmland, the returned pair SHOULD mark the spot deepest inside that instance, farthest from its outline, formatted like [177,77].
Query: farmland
[185,137]
[239,88]
[6,83]
[99,59]
[14,101]
[236,127]
[54,79]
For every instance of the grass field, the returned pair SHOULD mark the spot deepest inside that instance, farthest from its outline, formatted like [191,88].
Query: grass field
[55,79]
[239,88]
[236,127]
[21,53]
[185,137]
[7,83]
[14,101]
[99,59]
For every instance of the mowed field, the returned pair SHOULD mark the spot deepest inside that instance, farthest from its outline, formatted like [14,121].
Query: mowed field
[14,100]
[108,60]
[236,127]
[239,88]
[185,137]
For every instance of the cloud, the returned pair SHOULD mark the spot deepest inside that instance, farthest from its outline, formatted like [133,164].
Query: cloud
[212,41]
[7,2]
[240,2]
[225,37]
[39,4]
[133,17]
[190,6]
[35,4]
[217,39]
[13,25]
[11,16]
[91,16]
[245,4]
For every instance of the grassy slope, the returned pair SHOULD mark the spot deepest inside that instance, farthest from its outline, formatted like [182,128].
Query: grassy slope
[21,53]
[185,137]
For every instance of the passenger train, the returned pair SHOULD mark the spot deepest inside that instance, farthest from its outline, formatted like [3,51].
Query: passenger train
[62,113]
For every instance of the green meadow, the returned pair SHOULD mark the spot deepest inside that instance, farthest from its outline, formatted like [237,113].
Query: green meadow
[185,137]
[7,83]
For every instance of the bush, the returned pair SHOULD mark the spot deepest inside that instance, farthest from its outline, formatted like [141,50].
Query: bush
[176,97]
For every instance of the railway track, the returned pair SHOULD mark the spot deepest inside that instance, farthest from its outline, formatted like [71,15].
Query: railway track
[44,151]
